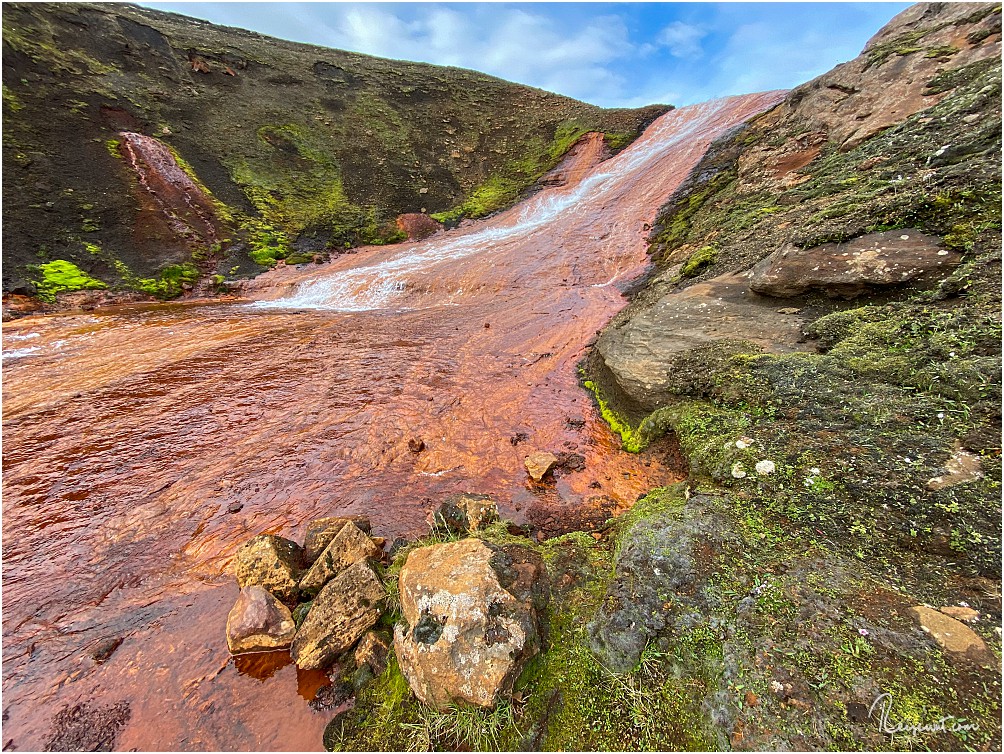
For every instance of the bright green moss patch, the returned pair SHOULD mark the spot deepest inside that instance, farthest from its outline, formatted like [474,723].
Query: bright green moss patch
[61,276]
[169,283]
[631,440]
[504,189]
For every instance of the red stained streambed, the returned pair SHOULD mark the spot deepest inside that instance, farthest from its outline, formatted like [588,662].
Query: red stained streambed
[128,433]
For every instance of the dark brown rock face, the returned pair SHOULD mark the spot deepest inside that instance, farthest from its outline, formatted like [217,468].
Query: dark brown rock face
[270,562]
[845,270]
[258,622]
[347,607]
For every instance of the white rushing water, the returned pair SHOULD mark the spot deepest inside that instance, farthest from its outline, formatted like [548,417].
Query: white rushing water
[376,285]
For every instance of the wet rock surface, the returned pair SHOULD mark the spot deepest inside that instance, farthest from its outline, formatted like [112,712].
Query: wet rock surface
[349,546]
[258,622]
[271,562]
[469,622]
[87,727]
[344,609]
[465,512]
[539,464]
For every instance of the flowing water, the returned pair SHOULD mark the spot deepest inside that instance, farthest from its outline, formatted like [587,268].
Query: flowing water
[131,433]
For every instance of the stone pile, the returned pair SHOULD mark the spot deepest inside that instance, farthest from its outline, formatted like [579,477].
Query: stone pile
[317,600]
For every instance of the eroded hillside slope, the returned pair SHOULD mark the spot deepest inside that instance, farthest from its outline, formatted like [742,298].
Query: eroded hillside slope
[249,148]
[821,333]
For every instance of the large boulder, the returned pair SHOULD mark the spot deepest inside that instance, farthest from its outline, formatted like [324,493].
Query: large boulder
[258,622]
[271,562]
[346,608]
[321,531]
[845,270]
[470,620]
[349,546]
[465,512]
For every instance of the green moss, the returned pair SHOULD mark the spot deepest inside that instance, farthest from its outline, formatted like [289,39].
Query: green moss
[698,261]
[516,176]
[62,276]
[169,283]
[631,440]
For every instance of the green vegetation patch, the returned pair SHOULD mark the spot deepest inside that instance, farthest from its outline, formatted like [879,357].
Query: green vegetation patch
[61,276]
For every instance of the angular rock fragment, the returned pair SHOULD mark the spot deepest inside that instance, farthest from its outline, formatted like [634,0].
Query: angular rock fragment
[348,606]
[470,621]
[372,651]
[321,531]
[349,546]
[538,464]
[258,622]
[271,562]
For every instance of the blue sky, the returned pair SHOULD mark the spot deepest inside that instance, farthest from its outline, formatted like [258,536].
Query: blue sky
[610,54]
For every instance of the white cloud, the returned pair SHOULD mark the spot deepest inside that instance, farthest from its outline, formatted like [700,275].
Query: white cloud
[683,40]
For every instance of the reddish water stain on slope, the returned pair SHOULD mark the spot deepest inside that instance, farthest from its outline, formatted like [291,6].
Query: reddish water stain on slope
[128,433]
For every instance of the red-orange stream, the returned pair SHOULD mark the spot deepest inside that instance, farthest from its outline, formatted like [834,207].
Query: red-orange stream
[129,433]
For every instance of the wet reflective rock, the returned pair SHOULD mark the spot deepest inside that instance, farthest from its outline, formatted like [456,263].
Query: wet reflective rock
[344,609]
[258,622]
[270,562]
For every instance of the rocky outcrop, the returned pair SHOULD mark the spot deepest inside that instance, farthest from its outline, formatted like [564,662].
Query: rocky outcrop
[663,562]
[271,562]
[953,636]
[846,270]
[465,513]
[349,546]
[469,621]
[258,622]
[345,608]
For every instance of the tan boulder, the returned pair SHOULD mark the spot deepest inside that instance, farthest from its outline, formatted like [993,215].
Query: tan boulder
[465,636]
[346,608]
[258,622]
[271,562]
[350,545]
[539,463]
[321,531]
[954,637]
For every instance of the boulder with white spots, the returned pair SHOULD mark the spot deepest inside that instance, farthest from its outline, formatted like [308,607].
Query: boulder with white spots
[470,621]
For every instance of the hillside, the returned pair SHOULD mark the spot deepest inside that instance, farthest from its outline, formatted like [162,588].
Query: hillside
[250,148]
[821,335]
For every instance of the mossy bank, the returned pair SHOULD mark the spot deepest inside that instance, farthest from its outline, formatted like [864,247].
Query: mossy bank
[301,150]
